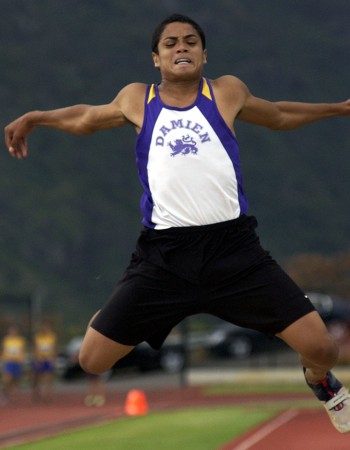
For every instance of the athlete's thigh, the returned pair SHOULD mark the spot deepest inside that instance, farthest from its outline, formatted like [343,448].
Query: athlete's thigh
[146,300]
[264,298]
[98,353]
[308,335]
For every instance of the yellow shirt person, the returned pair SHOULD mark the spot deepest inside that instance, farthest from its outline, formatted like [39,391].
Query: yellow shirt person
[44,355]
[13,356]
[45,346]
[14,349]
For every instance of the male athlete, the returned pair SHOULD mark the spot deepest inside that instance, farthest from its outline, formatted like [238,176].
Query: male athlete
[198,251]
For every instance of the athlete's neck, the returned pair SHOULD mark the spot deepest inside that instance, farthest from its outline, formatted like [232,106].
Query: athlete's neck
[180,93]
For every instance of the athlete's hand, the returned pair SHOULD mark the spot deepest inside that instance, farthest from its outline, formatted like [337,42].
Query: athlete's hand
[16,134]
[347,107]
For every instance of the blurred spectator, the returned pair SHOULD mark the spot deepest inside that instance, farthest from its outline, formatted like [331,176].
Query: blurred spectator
[96,389]
[13,357]
[44,356]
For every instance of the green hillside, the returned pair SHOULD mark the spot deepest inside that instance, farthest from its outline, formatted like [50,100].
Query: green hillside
[69,213]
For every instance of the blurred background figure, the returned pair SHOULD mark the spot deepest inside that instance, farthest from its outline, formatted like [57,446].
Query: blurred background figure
[44,356]
[13,357]
[96,389]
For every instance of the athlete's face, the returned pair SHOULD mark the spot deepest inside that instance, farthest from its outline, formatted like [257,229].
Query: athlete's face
[180,52]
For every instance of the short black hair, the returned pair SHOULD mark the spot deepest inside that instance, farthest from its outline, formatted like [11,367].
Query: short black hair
[171,19]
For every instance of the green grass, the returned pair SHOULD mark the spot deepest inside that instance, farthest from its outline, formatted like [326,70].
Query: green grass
[190,429]
[255,388]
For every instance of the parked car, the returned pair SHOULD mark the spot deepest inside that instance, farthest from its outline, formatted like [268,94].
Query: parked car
[331,308]
[171,358]
[224,340]
[227,340]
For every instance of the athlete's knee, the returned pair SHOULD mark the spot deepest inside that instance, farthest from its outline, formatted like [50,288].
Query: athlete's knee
[99,353]
[93,359]
[92,364]
[309,337]
[323,352]
[331,352]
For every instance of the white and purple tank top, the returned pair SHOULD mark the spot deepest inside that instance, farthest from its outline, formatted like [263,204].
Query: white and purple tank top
[188,164]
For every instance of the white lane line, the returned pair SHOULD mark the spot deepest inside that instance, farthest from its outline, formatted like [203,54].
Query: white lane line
[266,430]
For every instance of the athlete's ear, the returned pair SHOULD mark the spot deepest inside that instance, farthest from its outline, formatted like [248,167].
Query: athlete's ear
[155,58]
[205,56]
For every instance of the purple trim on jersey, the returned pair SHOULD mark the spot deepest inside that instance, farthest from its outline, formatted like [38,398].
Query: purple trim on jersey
[228,140]
[143,143]
[210,111]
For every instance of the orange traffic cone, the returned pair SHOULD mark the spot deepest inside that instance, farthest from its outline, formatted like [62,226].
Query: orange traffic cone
[136,403]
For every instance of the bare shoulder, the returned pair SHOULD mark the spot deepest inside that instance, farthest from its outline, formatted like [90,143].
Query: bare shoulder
[131,92]
[130,101]
[229,87]
[227,80]
[230,95]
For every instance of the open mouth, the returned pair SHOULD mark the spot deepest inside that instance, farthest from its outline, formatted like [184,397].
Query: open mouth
[183,61]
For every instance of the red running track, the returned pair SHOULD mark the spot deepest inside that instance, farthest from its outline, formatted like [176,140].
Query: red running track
[306,429]
[291,430]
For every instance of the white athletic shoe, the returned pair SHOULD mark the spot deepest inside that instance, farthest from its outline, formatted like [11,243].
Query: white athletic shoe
[338,409]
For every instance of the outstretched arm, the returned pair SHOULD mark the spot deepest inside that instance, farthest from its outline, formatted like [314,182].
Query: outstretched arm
[236,102]
[289,115]
[78,119]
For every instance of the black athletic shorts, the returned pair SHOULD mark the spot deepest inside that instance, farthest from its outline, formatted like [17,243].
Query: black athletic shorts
[219,269]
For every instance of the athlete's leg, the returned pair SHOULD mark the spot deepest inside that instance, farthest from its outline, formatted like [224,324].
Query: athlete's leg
[99,353]
[146,304]
[310,338]
[318,354]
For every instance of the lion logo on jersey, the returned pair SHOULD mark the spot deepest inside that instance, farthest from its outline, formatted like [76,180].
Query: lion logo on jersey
[183,146]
